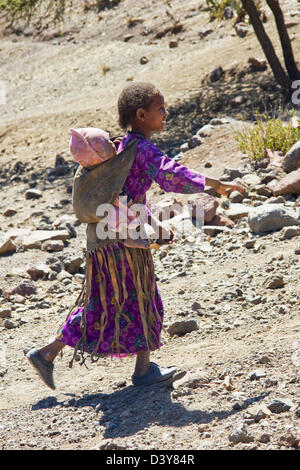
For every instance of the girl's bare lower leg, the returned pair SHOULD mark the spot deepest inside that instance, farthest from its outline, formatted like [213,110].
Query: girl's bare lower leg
[142,363]
[50,351]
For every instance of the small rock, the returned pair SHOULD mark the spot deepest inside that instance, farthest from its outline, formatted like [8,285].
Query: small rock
[5,313]
[33,194]
[295,357]
[7,246]
[242,29]
[173,44]
[144,60]
[192,380]
[109,444]
[257,64]
[275,282]
[194,141]
[216,74]
[291,160]
[9,212]
[264,438]
[53,246]
[204,32]
[182,327]
[228,13]
[9,324]
[24,289]
[289,232]
[205,131]
[237,211]
[236,196]
[184,147]
[40,271]
[241,434]
[279,405]
[257,374]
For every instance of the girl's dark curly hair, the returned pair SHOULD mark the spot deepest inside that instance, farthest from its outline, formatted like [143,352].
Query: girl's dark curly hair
[134,96]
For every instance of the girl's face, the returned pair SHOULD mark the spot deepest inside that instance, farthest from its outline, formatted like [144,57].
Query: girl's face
[154,118]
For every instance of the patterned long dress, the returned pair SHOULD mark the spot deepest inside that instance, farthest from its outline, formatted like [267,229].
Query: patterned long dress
[124,312]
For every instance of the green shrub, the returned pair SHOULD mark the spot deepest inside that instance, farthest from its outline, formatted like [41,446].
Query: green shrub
[267,133]
[15,10]
[216,8]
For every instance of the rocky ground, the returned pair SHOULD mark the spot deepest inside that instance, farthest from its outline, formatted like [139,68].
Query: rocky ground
[230,290]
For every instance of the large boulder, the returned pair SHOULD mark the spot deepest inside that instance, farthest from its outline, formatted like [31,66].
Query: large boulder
[291,160]
[290,184]
[270,217]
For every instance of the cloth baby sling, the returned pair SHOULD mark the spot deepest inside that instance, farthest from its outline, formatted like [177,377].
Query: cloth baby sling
[102,185]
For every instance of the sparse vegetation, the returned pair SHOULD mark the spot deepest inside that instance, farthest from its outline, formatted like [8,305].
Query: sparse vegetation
[216,8]
[273,134]
[16,10]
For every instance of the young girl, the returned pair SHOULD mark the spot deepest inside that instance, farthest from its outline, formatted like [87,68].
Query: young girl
[124,315]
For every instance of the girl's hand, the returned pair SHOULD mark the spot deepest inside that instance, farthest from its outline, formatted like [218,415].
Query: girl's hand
[226,188]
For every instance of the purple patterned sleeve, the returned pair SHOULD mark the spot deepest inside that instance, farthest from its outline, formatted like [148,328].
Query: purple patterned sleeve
[170,175]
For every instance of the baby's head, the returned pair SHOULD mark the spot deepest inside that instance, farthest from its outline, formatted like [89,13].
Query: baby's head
[91,146]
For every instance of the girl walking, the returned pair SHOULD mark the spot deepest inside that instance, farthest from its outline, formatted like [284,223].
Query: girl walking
[123,313]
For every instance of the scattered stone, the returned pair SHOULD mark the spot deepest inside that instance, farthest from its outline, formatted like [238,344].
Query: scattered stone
[5,313]
[39,236]
[257,64]
[33,194]
[173,43]
[290,439]
[53,245]
[251,179]
[241,434]
[249,243]
[280,405]
[257,374]
[290,184]
[264,438]
[9,212]
[242,29]
[9,324]
[228,13]
[236,196]
[291,160]
[40,271]
[24,289]
[204,32]
[73,264]
[184,147]
[221,220]
[109,444]
[194,141]
[295,357]
[64,275]
[289,232]
[275,282]
[205,131]
[7,246]
[237,211]
[270,217]
[216,74]
[182,327]
[192,380]
[206,203]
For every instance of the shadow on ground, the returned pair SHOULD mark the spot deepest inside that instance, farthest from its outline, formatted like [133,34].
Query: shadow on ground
[129,410]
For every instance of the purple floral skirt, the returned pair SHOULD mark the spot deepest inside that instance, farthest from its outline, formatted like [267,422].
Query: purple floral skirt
[123,311]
